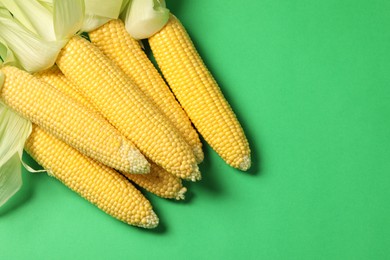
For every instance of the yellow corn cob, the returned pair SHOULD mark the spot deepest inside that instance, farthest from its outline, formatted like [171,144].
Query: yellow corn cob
[157,181]
[125,106]
[97,183]
[199,94]
[69,121]
[114,41]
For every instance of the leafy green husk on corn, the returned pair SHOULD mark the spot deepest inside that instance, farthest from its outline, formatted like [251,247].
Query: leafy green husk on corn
[14,130]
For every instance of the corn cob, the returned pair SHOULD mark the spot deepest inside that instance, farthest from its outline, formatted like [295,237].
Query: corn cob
[157,181]
[126,107]
[199,94]
[97,183]
[114,41]
[69,121]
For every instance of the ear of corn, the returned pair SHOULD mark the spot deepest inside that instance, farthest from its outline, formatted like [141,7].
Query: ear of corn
[69,121]
[97,183]
[157,181]
[126,107]
[114,41]
[199,94]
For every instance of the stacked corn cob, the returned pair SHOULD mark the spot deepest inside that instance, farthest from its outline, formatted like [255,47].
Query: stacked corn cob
[104,112]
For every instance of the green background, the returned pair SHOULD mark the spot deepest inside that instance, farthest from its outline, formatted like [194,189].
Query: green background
[309,80]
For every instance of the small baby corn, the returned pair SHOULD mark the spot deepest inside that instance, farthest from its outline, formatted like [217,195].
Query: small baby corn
[157,181]
[199,94]
[117,44]
[97,183]
[69,121]
[125,106]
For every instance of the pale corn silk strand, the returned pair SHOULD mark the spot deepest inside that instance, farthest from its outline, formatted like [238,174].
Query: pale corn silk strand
[158,181]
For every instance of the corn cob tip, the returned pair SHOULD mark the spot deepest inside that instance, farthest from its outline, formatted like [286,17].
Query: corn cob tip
[195,175]
[198,152]
[150,221]
[181,194]
[246,163]
[137,161]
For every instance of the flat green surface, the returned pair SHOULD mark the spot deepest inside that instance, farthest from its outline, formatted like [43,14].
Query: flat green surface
[309,81]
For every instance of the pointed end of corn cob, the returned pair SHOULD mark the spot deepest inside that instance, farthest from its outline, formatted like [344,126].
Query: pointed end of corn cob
[198,152]
[245,164]
[140,168]
[181,194]
[138,163]
[195,174]
[150,221]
